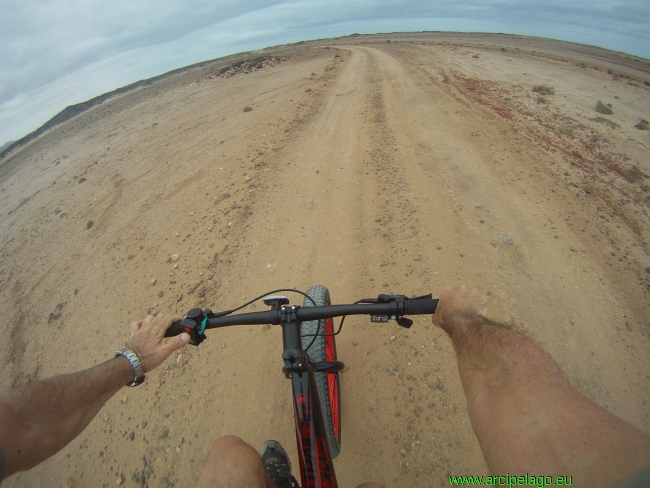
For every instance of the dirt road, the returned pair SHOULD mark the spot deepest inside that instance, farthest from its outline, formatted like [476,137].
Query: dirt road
[368,168]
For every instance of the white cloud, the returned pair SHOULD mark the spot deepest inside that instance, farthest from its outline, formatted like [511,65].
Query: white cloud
[63,52]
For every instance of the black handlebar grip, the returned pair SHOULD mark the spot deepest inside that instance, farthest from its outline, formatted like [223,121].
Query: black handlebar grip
[174,330]
[423,306]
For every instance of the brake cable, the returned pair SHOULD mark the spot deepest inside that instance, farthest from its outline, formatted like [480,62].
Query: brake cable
[363,300]
[228,312]
[333,334]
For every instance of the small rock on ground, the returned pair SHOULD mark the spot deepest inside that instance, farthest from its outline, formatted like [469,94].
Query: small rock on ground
[601,108]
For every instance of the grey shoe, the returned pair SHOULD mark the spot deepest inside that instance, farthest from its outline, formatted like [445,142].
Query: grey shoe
[277,464]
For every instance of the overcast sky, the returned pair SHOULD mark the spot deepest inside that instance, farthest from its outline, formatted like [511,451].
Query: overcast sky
[56,53]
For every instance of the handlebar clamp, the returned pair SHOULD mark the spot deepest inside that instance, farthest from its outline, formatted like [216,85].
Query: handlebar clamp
[289,314]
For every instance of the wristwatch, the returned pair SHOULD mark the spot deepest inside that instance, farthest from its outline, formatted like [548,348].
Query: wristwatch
[133,358]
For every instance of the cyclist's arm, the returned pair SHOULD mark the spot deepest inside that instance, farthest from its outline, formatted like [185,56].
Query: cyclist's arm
[526,415]
[38,420]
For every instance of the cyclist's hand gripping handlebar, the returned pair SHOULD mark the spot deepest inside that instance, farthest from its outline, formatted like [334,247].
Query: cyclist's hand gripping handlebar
[194,324]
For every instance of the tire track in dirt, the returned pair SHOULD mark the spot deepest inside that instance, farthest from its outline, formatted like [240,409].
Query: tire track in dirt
[347,219]
[416,407]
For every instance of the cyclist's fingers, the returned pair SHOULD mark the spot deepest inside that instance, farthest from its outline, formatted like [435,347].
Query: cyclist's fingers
[168,319]
[147,320]
[176,343]
[155,321]
[135,326]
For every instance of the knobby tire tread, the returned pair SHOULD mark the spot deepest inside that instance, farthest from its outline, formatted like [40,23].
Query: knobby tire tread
[317,351]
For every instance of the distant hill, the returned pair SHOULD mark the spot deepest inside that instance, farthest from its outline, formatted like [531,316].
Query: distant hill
[73,110]
[6,145]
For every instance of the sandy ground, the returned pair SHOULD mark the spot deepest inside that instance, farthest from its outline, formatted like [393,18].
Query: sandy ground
[365,166]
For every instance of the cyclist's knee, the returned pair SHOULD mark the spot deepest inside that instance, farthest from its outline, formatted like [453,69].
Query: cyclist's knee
[232,462]
[226,444]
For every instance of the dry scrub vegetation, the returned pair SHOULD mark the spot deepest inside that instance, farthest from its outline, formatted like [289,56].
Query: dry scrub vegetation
[544,89]
[608,173]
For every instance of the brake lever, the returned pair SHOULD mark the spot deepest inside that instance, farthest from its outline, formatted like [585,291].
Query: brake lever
[404,322]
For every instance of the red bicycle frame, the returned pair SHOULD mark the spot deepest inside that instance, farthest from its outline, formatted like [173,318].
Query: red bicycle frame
[316,466]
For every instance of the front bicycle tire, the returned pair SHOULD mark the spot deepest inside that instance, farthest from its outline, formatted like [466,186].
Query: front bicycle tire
[324,349]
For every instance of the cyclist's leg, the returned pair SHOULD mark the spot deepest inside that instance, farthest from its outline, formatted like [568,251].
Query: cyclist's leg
[233,463]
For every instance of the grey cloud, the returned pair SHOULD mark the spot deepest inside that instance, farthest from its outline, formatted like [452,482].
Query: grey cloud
[46,40]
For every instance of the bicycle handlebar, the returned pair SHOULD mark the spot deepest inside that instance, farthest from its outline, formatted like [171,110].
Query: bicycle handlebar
[420,306]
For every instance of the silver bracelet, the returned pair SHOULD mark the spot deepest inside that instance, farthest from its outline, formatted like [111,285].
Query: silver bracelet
[138,369]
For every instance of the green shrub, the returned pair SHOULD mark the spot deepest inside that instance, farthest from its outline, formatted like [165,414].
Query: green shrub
[634,174]
[605,120]
[544,89]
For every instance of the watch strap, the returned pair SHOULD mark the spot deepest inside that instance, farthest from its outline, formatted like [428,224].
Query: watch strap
[138,369]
